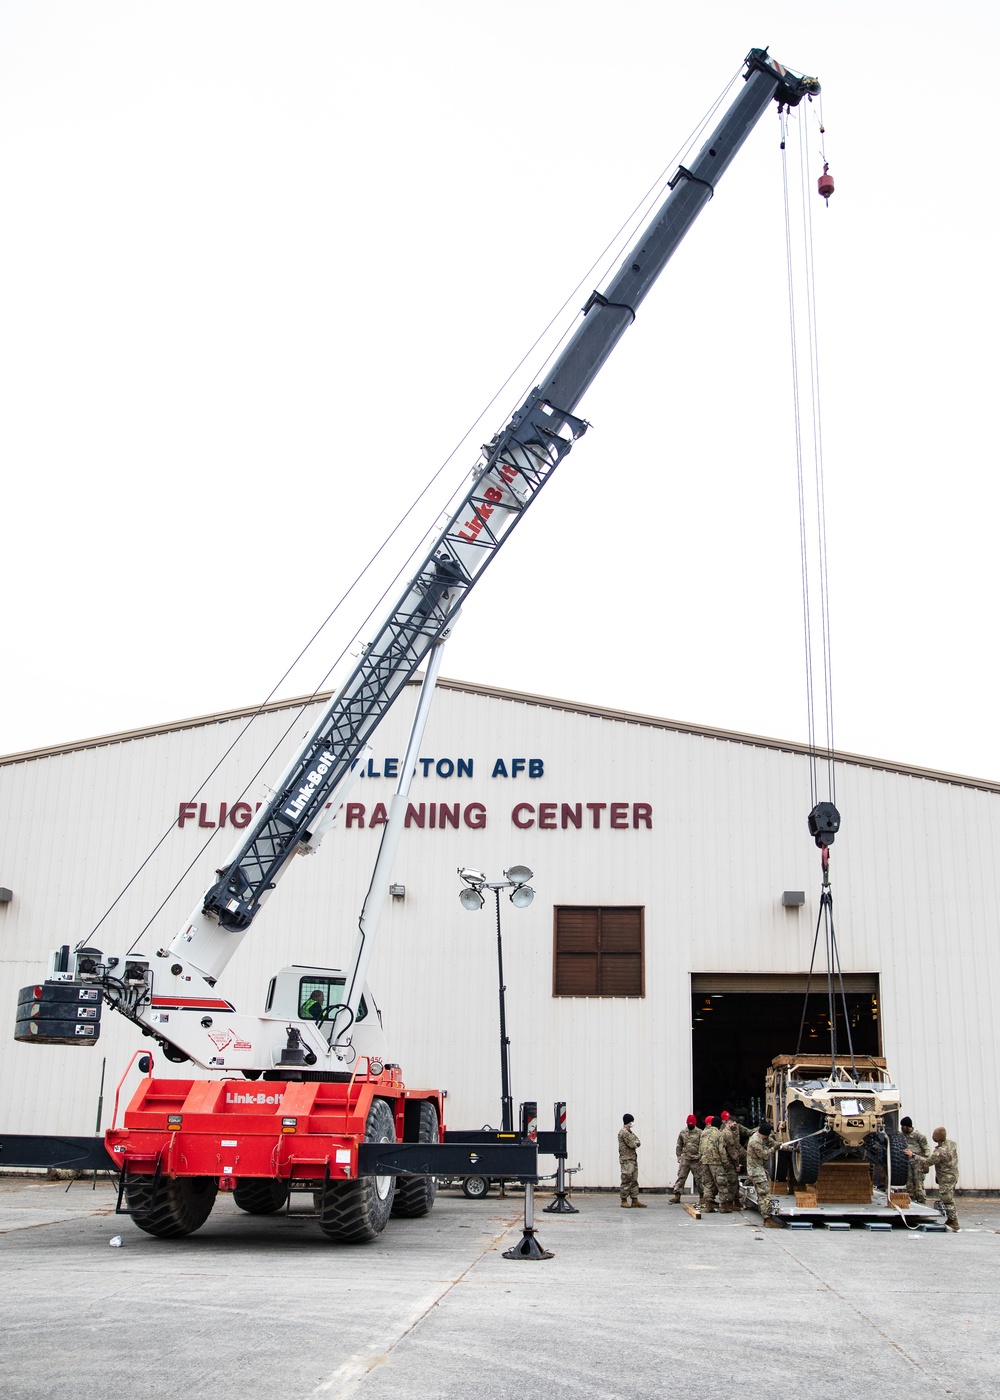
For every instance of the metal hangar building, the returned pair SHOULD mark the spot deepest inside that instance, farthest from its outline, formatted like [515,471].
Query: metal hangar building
[660,967]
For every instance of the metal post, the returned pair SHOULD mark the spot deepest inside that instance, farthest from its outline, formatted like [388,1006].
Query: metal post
[506,1102]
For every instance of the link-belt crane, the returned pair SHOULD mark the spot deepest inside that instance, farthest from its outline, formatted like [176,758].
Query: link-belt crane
[318,1050]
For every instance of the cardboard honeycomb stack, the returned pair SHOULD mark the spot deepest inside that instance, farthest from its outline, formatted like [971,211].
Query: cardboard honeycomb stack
[843,1183]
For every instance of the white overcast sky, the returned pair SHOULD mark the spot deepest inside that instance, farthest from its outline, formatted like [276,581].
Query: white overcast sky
[263,265]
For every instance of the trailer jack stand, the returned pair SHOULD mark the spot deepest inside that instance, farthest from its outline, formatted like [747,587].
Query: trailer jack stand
[560,1206]
[528,1246]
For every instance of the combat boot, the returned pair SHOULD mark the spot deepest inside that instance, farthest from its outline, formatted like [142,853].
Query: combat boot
[708,1208]
[675,1200]
[726,1208]
[771,1224]
[953,1225]
[638,1205]
[624,1205]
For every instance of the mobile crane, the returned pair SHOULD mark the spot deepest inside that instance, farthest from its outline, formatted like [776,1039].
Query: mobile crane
[323,1111]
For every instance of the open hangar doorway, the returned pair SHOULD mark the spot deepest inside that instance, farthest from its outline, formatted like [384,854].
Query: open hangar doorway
[740,1021]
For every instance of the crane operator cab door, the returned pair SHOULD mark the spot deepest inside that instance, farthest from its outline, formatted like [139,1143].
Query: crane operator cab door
[300,993]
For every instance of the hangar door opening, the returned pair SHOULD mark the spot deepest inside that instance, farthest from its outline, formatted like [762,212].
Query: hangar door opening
[739,1022]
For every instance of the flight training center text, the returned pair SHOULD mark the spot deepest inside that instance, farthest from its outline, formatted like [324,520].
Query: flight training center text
[541,816]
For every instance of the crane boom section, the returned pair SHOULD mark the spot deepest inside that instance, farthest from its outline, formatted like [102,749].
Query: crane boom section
[515,466]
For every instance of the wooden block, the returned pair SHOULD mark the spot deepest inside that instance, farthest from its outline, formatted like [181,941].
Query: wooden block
[693,1211]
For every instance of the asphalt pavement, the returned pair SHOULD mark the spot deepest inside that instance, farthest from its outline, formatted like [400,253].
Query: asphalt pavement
[634,1304]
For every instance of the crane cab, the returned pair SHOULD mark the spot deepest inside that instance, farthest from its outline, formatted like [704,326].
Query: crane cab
[313,994]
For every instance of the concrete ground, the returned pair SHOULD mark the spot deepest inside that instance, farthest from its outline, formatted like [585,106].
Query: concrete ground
[634,1304]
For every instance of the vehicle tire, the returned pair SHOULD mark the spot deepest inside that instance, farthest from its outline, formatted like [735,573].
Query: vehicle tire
[179,1205]
[415,1194]
[357,1212]
[778,1166]
[260,1196]
[806,1161]
[898,1161]
[476,1187]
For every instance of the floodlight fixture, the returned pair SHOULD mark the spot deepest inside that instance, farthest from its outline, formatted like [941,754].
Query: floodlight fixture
[521,896]
[519,875]
[470,898]
[471,877]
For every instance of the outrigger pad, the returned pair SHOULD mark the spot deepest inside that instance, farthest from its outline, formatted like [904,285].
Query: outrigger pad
[528,1248]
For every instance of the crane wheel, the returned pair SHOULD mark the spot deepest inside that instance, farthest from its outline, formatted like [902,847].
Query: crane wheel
[260,1196]
[356,1212]
[172,1206]
[415,1194]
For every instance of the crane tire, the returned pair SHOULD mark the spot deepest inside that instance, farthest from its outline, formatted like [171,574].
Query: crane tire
[260,1195]
[178,1206]
[356,1212]
[415,1194]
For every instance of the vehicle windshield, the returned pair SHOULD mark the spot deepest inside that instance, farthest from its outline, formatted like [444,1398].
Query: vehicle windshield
[317,995]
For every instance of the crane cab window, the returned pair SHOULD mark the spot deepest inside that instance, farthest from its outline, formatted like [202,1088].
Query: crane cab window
[318,994]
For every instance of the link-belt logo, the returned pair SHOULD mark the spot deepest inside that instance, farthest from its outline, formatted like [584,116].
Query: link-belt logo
[310,787]
[253,1098]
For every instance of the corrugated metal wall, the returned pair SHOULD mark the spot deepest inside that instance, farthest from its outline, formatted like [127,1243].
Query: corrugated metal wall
[915,878]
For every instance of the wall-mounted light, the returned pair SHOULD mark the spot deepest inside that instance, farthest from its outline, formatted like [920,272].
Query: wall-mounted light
[397,891]
[792,899]
[5,895]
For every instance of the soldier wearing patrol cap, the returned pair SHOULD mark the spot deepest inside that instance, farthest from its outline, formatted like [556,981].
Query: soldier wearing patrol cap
[944,1160]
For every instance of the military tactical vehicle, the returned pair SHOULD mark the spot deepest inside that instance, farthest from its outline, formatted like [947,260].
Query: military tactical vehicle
[843,1107]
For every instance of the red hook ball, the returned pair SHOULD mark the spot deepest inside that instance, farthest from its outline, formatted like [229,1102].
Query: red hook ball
[825,183]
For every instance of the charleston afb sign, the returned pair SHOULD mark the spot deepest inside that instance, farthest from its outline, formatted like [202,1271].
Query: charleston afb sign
[525,816]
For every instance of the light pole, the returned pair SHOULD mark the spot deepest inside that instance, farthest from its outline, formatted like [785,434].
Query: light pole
[471,897]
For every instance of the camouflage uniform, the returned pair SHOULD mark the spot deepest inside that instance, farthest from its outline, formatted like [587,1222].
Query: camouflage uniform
[724,1162]
[759,1149]
[944,1160]
[739,1135]
[726,1167]
[629,1163]
[688,1160]
[915,1173]
[706,1156]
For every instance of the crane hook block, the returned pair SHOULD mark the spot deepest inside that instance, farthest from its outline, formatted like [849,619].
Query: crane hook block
[825,183]
[824,823]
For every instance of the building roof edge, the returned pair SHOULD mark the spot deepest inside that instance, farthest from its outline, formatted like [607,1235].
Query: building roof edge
[701,731]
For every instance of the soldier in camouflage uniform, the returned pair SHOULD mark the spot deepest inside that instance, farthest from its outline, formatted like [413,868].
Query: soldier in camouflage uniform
[706,1155]
[759,1149]
[688,1161]
[914,1172]
[726,1167]
[628,1160]
[739,1134]
[944,1160]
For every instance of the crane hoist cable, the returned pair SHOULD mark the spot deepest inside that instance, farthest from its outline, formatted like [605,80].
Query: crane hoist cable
[824,818]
